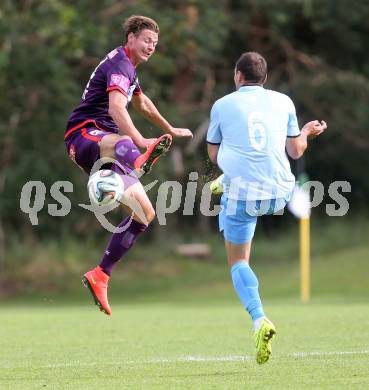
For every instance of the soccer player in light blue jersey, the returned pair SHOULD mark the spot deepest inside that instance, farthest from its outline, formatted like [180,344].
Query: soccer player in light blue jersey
[249,133]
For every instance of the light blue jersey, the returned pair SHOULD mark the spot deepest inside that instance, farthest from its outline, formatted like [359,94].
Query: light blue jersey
[252,125]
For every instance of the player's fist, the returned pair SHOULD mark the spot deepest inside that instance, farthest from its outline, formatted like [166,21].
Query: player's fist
[314,128]
[181,132]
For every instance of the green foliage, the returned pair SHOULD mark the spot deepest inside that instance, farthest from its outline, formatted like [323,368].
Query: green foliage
[55,266]
[316,53]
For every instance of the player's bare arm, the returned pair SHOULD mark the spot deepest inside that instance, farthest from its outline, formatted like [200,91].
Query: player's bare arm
[144,105]
[296,146]
[120,115]
[213,152]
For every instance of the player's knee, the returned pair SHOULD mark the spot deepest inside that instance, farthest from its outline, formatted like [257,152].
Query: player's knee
[109,143]
[124,137]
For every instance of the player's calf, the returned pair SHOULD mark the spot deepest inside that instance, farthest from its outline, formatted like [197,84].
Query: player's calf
[145,161]
[130,157]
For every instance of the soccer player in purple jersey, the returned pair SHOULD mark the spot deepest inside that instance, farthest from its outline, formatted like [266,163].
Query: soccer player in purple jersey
[101,127]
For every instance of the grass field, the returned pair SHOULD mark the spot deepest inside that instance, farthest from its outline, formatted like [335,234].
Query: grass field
[186,346]
[177,323]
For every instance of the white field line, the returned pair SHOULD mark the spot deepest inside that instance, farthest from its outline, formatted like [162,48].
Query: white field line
[181,359]
[333,353]
[196,359]
[250,357]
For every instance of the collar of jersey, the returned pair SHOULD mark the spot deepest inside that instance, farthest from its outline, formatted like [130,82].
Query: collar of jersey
[128,54]
[245,88]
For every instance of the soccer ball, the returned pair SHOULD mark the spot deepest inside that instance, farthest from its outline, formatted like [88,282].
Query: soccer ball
[105,187]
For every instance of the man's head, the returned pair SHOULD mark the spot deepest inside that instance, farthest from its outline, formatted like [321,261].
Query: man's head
[250,69]
[142,34]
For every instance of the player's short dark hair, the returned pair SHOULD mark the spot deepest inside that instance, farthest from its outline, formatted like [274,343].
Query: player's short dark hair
[136,23]
[253,67]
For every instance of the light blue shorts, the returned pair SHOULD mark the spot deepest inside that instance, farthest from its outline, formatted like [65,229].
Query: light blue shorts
[237,218]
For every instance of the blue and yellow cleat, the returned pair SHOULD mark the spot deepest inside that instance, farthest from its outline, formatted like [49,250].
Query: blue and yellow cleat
[216,186]
[263,337]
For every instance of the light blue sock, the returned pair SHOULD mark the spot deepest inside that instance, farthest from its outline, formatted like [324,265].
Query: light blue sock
[246,285]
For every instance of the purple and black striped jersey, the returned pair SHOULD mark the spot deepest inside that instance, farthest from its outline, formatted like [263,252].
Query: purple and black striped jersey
[114,72]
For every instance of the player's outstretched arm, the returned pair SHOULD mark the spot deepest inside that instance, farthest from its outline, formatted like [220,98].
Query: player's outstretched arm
[147,108]
[120,115]
[296,146]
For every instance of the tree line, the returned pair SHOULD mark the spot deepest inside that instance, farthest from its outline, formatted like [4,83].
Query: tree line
[316,52]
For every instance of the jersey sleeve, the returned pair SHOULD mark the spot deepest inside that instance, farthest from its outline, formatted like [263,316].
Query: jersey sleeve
[214,135]
[118,78]
[293,129]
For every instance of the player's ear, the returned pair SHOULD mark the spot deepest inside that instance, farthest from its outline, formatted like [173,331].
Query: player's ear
[130,37]
[237,77]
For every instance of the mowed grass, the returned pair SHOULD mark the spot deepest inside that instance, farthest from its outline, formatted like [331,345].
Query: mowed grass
[177,324]
[182,346]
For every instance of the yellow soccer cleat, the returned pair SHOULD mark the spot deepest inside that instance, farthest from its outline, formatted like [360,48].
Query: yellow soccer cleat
[263,337]
[216,186]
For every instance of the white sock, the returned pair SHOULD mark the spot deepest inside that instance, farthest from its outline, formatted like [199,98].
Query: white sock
[258,322]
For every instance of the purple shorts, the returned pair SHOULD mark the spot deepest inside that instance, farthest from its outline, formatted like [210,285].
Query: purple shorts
[83,149]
